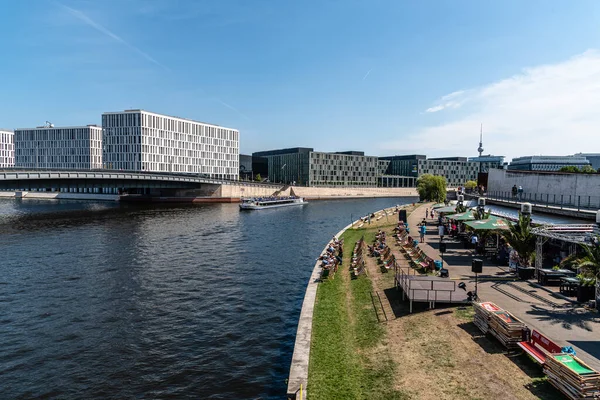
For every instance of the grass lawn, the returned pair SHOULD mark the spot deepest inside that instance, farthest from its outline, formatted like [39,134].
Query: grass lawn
[349,358]
[435,354]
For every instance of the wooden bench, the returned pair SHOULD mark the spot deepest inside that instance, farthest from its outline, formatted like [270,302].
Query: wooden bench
[385,254]
[389,263]
[539,347]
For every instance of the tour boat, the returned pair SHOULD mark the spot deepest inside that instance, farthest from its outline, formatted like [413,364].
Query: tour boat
[259,203]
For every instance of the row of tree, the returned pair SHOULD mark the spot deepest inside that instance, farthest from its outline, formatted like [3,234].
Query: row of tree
[586,169]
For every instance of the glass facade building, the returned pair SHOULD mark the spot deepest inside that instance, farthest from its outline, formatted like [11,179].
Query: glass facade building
[77,147]
[140,140]
[547,163]
[7,148]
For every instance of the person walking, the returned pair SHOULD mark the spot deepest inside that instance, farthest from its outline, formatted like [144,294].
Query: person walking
[422,232]
[441,231]
[426,212]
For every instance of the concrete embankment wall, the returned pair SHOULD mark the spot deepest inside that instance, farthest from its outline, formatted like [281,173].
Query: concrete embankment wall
[60,195]
[234,192]
[575,188]
[301,356]
[316,193]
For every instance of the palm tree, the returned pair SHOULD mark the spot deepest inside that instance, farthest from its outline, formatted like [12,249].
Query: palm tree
[588,265]
[520,238]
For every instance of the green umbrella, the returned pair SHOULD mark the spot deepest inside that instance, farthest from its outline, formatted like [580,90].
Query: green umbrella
[490,224]
[447,210]
[466,216]
[438,205]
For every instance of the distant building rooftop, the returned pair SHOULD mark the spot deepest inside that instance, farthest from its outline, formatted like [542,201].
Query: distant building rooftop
[291,150]
[405,157]
[138,110]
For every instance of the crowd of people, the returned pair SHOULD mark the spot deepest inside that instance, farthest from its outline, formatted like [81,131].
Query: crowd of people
[333,255]
[379,246]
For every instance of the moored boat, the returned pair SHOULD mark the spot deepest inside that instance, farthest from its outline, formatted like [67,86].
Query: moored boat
[259,203]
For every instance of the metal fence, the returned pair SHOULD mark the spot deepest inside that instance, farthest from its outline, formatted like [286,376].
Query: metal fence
[549,200]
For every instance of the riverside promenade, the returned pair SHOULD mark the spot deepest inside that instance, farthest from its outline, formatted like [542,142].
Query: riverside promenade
[564,321]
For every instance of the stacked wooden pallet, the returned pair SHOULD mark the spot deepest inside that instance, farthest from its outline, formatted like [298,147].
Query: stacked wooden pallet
[482,314]
[506,328]
[572,377]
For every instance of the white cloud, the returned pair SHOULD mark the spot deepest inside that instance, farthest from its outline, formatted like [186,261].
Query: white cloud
[452,100]
[549,109]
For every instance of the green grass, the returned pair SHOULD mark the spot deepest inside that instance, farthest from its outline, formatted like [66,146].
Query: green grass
[465,313]
[348,358]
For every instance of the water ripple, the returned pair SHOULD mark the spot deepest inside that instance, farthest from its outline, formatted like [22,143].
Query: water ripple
[109,301]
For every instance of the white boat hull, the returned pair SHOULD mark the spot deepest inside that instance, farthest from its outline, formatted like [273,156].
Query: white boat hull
[258,206]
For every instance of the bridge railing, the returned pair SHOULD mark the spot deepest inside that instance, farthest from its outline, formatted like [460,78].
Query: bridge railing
[568,201]
[193,176]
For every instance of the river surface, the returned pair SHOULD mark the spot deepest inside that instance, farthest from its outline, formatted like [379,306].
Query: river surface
[110,301]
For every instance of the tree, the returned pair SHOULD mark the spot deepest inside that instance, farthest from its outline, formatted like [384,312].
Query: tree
[258,178]
[520,238]
[588,169]
[431,188]
[588,265]
[470,185]
[570,168]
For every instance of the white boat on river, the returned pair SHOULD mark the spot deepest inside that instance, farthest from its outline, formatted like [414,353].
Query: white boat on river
[260,203]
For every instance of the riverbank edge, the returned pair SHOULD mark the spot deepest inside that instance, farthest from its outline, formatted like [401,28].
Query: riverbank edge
[59,196]
[301,356]
[144,199]
[298,375]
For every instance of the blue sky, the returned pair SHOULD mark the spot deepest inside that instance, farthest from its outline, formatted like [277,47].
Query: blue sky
[386,77]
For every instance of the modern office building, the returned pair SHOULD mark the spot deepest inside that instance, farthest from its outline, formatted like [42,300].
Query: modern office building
[547,163]
[593,158]
[304,166]
[488,162]
[73,147]
[286,165]
[404,165]
[245,167]
[7,148]
[456,170]
[140,140]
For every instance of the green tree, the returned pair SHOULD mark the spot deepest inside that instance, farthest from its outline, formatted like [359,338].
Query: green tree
[520,238]
[588,169]
[258,178]
[588,263]
[431,188]
[470,185]
[570,168]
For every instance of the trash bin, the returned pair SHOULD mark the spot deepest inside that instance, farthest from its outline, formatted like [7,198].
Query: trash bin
[438,264]
[444,273]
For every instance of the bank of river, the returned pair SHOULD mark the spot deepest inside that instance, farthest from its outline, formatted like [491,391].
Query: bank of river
[109,300]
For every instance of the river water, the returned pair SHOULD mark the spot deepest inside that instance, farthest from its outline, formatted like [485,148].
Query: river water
[112,301]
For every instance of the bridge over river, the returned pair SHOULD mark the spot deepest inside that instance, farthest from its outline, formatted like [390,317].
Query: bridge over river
[131,185]
[116,182]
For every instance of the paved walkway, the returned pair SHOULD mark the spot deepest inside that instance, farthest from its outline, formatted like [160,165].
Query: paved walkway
[560,319]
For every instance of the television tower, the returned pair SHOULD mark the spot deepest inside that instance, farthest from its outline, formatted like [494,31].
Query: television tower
[480,149]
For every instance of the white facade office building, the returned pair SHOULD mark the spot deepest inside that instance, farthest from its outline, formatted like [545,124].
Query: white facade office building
[7,148]
[140,140]
[74,147]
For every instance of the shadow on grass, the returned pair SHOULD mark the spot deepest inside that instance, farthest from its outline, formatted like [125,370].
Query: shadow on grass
[489,345]
[539,387]
[401,307]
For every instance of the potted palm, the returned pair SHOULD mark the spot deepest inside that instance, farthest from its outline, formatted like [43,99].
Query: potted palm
[589,268]
[521,239]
